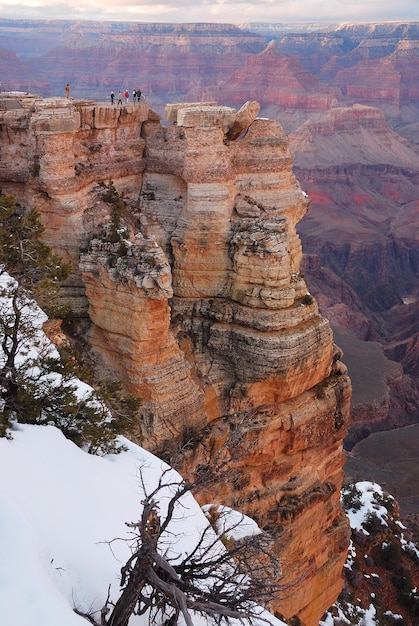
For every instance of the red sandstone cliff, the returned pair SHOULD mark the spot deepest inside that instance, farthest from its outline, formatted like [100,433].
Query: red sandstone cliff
[205,314]
[286,90]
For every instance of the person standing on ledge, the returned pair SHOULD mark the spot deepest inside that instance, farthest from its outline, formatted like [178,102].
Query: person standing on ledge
[67,90]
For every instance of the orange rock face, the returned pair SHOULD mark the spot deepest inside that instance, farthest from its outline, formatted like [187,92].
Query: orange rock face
[204,313]
[289,480]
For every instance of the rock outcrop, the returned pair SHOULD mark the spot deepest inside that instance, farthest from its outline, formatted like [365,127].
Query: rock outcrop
[201,309]
[55,151]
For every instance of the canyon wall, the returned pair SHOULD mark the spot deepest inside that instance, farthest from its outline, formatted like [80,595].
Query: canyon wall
[363,215]
[57,155]
[203,311]
[360,240]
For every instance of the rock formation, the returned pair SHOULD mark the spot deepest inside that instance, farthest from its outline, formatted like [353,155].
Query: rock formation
[202,311]
[54,152]
[360,234]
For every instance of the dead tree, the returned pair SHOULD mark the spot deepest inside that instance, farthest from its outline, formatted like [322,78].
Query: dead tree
[221,581]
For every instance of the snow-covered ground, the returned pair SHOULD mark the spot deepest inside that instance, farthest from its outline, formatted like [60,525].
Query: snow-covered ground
[59,506]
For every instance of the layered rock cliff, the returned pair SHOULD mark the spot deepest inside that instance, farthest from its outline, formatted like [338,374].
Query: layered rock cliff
[54,153]
[203,311]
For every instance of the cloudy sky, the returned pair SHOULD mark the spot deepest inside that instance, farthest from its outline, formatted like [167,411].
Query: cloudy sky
[228,11]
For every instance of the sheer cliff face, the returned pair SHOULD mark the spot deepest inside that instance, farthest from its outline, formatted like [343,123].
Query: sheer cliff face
[237,291]
[205,314]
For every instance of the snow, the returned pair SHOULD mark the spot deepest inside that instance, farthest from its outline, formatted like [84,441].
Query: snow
[361,500]
[394,616]
[368,492]
[231,523]
[369,617]
[59,506]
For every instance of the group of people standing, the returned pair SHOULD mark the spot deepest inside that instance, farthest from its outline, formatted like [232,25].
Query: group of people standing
[123,96]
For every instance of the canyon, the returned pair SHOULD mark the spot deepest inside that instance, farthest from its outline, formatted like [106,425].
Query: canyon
[203,312]
[225,312]
[361,261]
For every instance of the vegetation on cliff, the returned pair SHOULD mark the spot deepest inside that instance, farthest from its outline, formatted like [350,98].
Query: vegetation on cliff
[381,570]
[38,385]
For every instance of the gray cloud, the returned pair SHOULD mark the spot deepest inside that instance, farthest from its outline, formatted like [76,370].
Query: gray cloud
[229,11]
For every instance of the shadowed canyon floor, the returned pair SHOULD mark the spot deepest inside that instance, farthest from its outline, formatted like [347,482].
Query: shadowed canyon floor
[367,366]
[389,457]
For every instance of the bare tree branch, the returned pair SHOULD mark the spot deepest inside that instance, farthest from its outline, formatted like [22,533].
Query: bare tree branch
[220,582]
